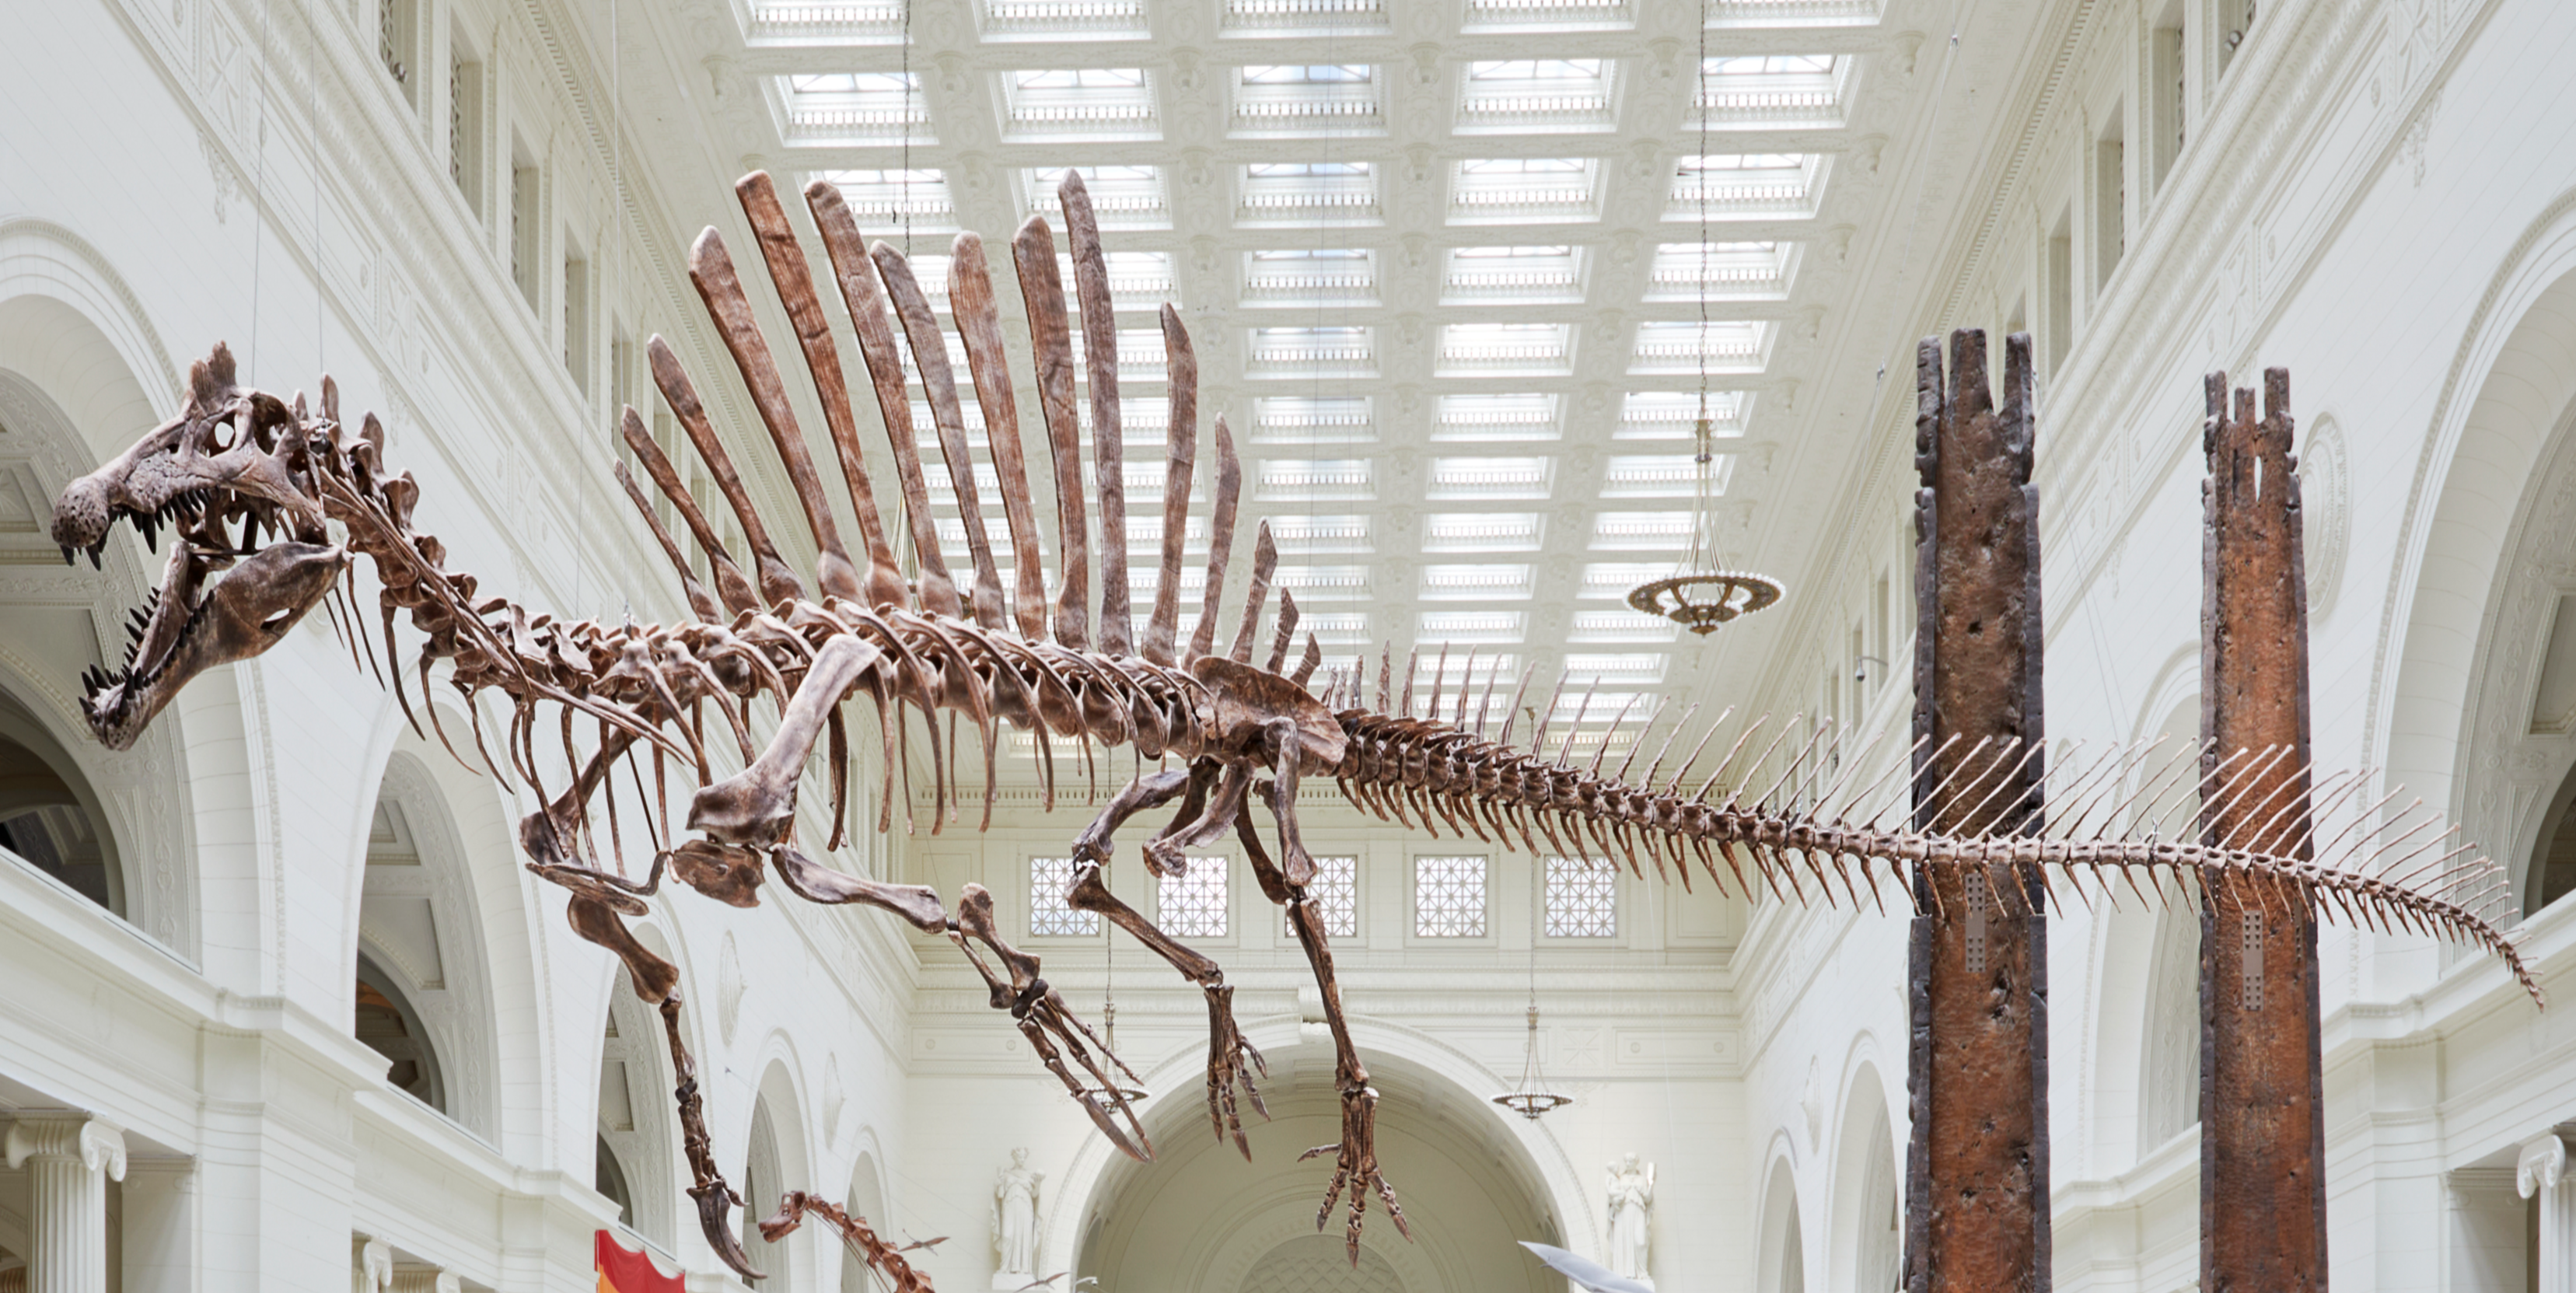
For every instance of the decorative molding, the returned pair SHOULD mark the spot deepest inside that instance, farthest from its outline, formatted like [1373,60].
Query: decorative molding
[98,1145]
[2542,1165]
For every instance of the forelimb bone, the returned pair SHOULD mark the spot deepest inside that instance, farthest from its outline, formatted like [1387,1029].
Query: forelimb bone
[1040,1010]
[757,805]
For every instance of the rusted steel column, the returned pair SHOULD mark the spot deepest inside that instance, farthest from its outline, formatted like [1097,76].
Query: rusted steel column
[2262,1131]
[1976,1193]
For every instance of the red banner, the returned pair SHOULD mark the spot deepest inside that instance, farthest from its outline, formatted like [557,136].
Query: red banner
[623,1272]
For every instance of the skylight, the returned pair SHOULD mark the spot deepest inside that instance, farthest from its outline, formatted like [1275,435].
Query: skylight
[879,198]
[1475,628]
[1623,626]
[1307,536]
[1509,190]
[1484,581]
[1313,351]
[1122,197]
[1613,579]
[1336,630]
[1482,532]
[855,106]
[1090,102]
[1673,415]
[870,21]
[1480,417]
[1137,279]
[1513,275]
[1320,419]
[1313,584]
[1549,15]
[1661,475]
[1307,74]
[1140,359]
[1303,17]
[1314,480]
[1498,349]
[1492,478]
[1526,95]
[1773,90]
[1722,271]
[1791,13]
[1680,346]
[1306,193]
[1630,668]
[1310,276]
[1063,19]
[1303,99]
[1641,531]
[1740,186]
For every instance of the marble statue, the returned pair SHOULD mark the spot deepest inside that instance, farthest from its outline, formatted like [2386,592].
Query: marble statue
[1632,1194]
[1015,1223]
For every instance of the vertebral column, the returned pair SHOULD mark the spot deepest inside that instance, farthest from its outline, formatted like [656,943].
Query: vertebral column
[2262,1141]
[1977,1168]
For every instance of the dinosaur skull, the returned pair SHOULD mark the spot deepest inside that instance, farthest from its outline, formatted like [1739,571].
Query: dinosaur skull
[230,465]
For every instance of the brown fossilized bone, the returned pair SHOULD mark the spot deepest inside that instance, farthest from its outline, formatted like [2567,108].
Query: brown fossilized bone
[742,696]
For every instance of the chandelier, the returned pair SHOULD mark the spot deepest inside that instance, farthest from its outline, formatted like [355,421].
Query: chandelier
[1700,595]
[1531,1099]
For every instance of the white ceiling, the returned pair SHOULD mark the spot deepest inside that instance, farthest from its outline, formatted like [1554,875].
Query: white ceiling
[1452,442]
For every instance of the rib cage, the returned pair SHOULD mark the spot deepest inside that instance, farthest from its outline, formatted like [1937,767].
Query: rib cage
[1785,809]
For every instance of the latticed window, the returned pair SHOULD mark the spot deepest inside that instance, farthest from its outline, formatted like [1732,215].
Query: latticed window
[1192,904]
[1048,911]
[1334,896]
[1449,897]
[1582,898]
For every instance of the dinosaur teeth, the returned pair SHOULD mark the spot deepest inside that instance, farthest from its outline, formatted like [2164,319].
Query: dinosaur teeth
[97,554]
[68,558]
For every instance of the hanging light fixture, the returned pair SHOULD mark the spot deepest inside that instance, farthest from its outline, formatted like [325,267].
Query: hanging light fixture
[1700,595]
[1531,1099]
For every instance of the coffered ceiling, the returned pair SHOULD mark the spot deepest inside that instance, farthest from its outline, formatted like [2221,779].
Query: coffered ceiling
[1454,269]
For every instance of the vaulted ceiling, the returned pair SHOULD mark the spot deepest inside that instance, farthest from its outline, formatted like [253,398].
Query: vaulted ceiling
[1457,271]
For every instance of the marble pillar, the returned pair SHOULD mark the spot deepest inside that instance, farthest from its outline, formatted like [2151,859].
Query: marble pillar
[2542,1173]
[69,1162]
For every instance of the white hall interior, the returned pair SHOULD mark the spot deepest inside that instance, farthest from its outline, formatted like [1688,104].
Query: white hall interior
[281,1009]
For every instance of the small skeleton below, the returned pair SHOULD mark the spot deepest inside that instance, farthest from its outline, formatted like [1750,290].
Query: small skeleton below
[237,462]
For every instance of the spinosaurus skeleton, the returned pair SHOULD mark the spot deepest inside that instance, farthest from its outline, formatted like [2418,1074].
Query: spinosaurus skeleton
[238,461]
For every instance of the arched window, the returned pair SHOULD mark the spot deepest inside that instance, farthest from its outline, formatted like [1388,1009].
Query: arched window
[389,1026]
[2553,859]
[2169,1090]
[608,1176]
[635,1113]
[866,1202]
[761,1188]
[48,816]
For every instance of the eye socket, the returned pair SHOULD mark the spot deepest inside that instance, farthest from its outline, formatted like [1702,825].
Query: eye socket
[276,623]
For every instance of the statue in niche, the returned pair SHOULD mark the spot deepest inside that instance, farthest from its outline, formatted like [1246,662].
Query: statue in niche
[1632,1193]
[1015,1223]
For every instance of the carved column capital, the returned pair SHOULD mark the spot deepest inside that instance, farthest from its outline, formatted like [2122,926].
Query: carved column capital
[99,1146]
[2542,1166]
[371,1265]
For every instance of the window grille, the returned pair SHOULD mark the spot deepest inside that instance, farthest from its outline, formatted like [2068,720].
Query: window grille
[1333,895]
[1449,897]
[1192,904]
[1582,898]
[1049,914]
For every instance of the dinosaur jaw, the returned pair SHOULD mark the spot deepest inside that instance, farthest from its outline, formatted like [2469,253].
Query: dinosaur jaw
[191,627]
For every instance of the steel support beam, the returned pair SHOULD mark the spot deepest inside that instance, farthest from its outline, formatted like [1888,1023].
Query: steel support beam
[1977,1166]
[2262,1134]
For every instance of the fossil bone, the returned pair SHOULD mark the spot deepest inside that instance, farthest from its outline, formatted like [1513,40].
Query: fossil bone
[236,462]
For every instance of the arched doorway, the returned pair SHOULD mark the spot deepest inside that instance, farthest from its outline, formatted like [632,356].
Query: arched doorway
[1199,1219]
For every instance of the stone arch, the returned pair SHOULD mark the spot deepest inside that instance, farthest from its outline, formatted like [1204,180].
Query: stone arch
[1781,1261]
[1865,1253]
[2454,648]
[635,1118]
[2140,1022]
[866,1201]
[66,388]
[417,916]
[1400,1060]
[1431,1092]
[776,1157]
